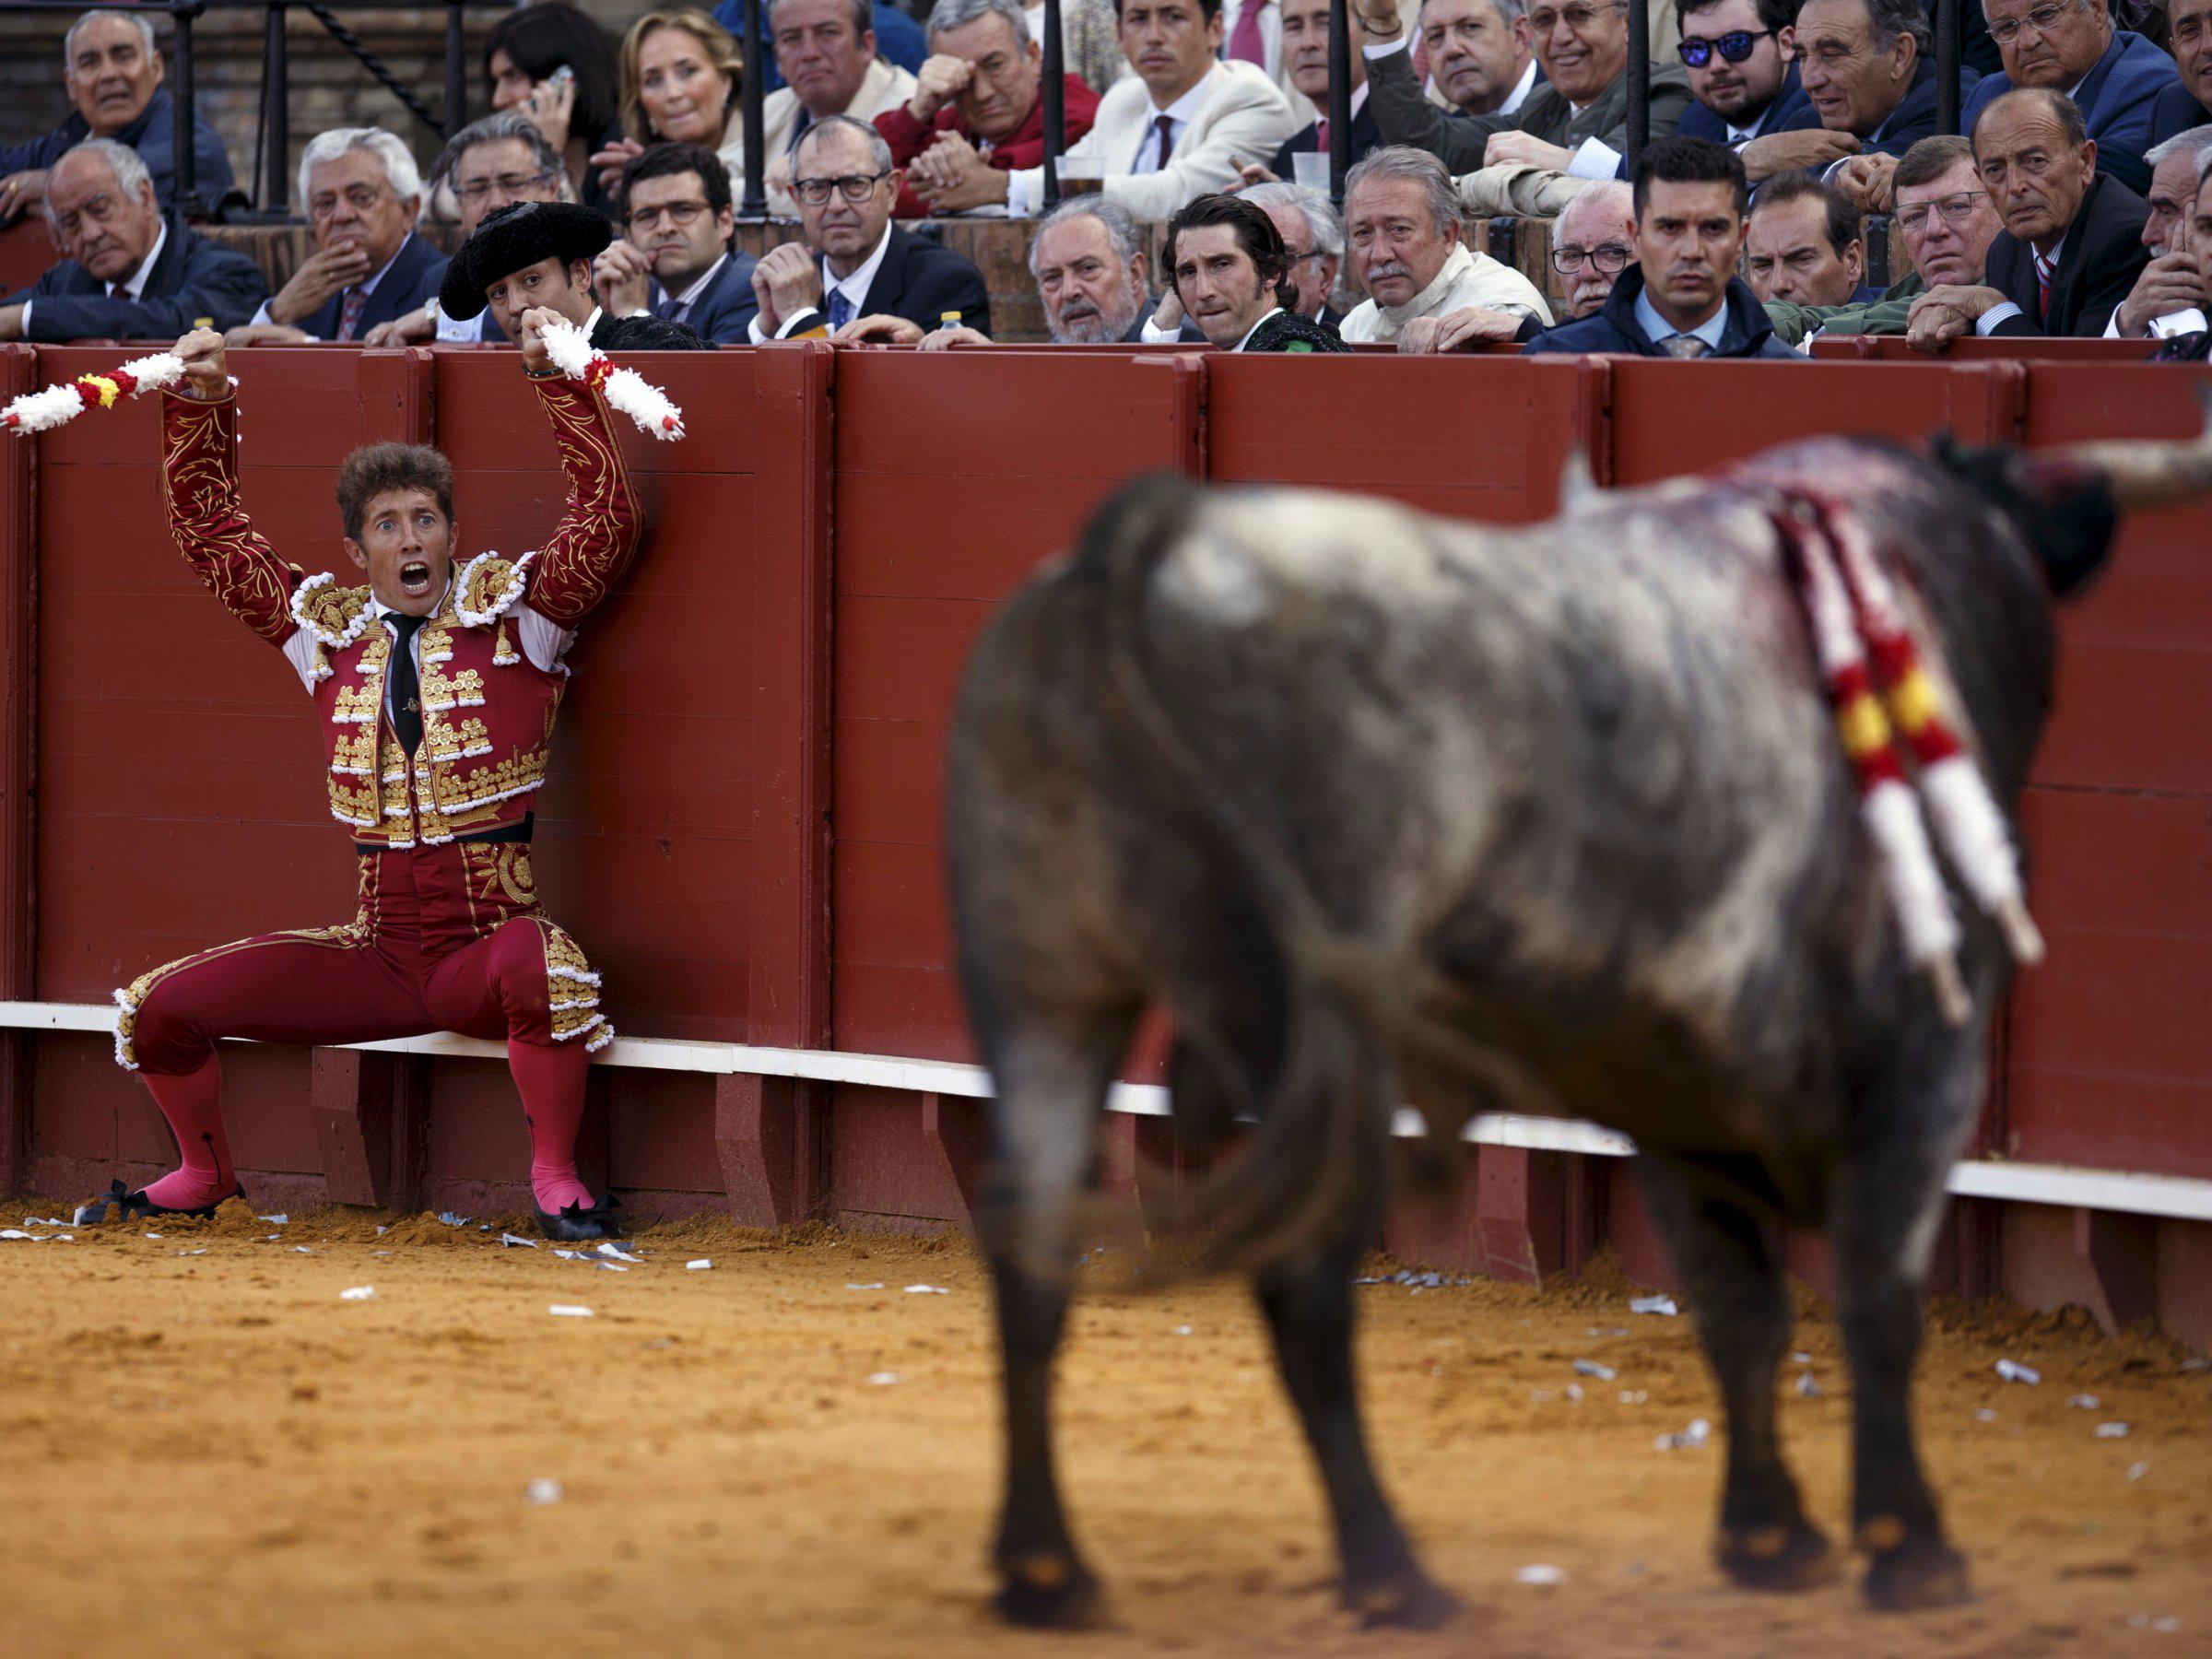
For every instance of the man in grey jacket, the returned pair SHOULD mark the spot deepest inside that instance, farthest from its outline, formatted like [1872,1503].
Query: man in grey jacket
[1575,123]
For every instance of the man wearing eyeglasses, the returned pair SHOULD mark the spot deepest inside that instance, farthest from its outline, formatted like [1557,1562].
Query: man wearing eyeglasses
[532,256]
[132,271]
[856,264]
[362,195]
[2113,75]
[1947,223]
[675,262]
[1592,240]
[1740,55]
[1575,123]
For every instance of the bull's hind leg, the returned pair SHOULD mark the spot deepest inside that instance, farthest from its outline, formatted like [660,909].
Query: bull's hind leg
[1051,1074]
[1731,1263]
[1309,1309]
[1888,1198]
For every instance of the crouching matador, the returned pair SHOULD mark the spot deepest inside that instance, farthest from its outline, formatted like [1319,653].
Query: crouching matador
[437,687]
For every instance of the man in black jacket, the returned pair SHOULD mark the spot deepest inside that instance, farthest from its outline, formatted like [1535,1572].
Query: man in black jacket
[855,265]
[2072,246]
[539,254]
[133,272]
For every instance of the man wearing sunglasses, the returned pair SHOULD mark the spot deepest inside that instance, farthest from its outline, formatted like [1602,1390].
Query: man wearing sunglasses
[855,265]
[675,262]
[1744,80]
[2113,75]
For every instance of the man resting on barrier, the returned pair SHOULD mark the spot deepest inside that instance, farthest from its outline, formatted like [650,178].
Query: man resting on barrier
[437,687]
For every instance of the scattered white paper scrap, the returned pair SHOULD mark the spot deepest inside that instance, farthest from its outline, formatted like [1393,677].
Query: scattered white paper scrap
[615,1251]
[876,1286]
[1807,1386]
[1574,1393]
[2012,1372]
[883,1379]
[272,1237]
[153,1235]
[200,1251]
[1540,1575]
[1983,1414]
[2144,1621]
[358,1293]
[511,1241]
[542,1490]
[2084,1402]
[2111,1431]
[572,1256]
[382,1231]
[927,1290]
[1801,1358]
[569,1311]
[276,1220]
[17,1233]
[1696,1434]
[611,1267]
[1606,1331]
[1654,1304]
[1591,1368]
[701,1265]
[302,1250]
[62,1237]
[1634,1396]
[46,1221]
[2135,1471]
[452,1219]
[1182,1330]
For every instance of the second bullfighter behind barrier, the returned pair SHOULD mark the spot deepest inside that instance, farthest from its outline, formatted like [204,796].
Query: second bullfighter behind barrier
[1590,819]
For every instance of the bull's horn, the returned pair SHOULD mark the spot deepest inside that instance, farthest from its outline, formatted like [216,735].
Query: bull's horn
[2147,473]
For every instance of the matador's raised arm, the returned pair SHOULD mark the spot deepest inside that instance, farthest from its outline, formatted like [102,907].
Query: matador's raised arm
[574,570]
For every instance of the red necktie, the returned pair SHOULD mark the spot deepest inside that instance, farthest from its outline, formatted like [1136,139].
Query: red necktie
[1245,40]
[1321,135]
[349,313]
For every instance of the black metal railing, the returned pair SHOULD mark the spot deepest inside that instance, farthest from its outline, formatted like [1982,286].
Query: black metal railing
[272,139]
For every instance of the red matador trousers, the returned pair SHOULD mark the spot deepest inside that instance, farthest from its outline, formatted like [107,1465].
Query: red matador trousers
[447,938]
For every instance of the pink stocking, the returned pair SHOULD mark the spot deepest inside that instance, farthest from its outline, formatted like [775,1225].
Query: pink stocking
[192,1104]
[550,1078]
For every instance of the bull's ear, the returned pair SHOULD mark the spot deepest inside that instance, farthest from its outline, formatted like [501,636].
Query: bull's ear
[1577,484]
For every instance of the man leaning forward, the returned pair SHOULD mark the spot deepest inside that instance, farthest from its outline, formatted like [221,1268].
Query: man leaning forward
[437,687]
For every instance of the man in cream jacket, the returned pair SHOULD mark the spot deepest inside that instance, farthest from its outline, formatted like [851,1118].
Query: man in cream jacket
[1183,123]
[1401,219]
[826,50]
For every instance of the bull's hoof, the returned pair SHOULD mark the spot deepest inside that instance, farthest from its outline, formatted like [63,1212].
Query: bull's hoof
[1048,1590]
[1794,1556]
[1408,1602]
[1918,1575]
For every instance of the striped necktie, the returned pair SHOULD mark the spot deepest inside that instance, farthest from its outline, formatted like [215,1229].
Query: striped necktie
[2046,274]
[351,308]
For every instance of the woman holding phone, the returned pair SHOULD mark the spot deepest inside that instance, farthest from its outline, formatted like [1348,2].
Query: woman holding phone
[552,64]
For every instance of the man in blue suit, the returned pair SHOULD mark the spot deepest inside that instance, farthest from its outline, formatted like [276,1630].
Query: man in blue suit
[2183,104]
[674,260]
[2114,76]
[112,72]
[1740,55]
[1869,68]
[133,272]
[362,195]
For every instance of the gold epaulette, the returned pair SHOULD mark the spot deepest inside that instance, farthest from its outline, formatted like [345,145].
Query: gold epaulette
[333,616]
[488,588]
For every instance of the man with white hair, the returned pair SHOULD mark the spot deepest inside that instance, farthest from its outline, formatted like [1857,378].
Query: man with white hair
[362,195]
[1313,236]
[2168,298]
[132,271]
[1592,240]
[113,71]
[1401,216]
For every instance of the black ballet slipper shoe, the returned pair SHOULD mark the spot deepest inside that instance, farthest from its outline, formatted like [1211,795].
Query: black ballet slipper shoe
[576,1225]
[135,1204]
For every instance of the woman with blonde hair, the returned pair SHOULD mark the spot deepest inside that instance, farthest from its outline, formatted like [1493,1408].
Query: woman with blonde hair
[681,75]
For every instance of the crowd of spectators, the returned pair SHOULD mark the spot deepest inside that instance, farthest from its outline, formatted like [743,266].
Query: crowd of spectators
[1788,137]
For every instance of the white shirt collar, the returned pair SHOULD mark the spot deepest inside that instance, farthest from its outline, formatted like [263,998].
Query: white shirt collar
[1521,87]
[1657,328]
[690,295]
[135,285]
[1184,109]
[1255,329]
[856,286]
[1740,135]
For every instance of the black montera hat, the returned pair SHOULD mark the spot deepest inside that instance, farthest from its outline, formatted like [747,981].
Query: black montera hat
[519,234]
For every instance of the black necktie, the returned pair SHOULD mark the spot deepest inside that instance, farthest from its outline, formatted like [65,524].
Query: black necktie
[406,686]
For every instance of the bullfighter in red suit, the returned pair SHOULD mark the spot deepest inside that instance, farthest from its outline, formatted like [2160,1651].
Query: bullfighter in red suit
[437,687]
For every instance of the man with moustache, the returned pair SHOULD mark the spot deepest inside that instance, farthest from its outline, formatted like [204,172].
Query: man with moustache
[132,271]
[1592,242]
[1402,219]
[2072,246]
[855,265]
[675,262]
[978,106]
[1576,123]
[2194,348]
[1681,300]
[2169,298]
[1947,221]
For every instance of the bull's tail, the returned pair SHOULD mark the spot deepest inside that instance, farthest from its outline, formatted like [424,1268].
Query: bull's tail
[1315,1164]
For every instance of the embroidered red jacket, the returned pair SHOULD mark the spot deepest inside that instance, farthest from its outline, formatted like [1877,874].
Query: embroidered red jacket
[490,657]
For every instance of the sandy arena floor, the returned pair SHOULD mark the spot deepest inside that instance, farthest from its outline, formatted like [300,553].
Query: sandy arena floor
[216,1454]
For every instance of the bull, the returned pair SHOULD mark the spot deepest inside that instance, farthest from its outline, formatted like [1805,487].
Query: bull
[1382,808]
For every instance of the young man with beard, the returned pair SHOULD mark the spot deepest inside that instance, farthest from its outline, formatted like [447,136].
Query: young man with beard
[436,688]
[1682,297]
[676,262]
[1229,268]
[1741,57]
